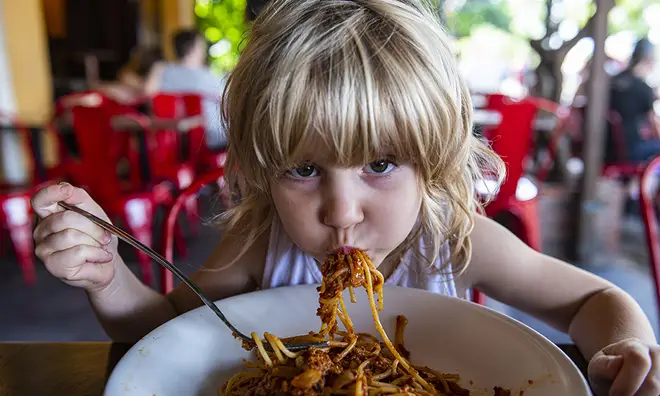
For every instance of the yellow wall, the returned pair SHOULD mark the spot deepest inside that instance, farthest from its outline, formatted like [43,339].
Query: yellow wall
[55,16]
[175,15]
[27,53]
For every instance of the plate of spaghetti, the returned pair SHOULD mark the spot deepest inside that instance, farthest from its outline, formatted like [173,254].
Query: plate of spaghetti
[381,340]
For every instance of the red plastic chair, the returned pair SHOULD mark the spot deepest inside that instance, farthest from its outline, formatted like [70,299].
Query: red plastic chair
[198,152]
[169,226]
[16,215]
[134,207]
[167,149]
[512,141]
[648,194]
[69,166]
[515,203]
[166,157]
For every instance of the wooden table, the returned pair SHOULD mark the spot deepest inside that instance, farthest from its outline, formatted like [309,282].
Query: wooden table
[82,368]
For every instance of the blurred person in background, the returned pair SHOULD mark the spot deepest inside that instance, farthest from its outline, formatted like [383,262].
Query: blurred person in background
[190,73]
[129,86]
[633,99]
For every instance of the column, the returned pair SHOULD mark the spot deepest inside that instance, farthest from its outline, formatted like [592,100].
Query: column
[25,79]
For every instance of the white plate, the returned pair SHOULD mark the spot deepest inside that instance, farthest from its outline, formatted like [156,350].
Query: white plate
[194,354]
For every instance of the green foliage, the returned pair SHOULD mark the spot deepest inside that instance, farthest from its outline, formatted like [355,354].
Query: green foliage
[223,23]
[474,13]
[629,15]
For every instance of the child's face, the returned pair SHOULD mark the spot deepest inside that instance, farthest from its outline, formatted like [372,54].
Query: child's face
[324,207]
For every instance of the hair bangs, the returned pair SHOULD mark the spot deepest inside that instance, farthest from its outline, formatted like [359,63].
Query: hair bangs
[348,101]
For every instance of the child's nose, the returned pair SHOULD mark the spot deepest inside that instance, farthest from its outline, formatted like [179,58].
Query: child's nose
[342,209]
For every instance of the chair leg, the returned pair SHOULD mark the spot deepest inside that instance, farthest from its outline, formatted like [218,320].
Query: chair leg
[21,237]
[192,212]
[140,226]
[17,220]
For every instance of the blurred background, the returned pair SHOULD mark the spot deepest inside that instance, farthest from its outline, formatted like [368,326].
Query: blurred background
[122,97]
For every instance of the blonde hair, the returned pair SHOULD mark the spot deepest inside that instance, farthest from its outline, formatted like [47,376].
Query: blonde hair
[364,76]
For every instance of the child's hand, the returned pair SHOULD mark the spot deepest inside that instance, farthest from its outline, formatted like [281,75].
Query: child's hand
[627,368]
[74,249]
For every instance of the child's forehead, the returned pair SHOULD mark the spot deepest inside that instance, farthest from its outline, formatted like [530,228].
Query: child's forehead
[322,150]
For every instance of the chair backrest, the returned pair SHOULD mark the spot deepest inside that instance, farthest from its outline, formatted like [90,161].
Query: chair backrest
[195,136]
[190,146]
[512,138]
[167,282]
[94,134]
[167,106]
[649,198]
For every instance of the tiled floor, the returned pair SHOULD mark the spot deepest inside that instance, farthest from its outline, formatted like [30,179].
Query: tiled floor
[52,311]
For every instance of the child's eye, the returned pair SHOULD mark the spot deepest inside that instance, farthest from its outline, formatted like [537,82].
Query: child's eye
[380,167]
[303,171]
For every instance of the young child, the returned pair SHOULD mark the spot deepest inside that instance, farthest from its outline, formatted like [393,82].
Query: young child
[349,125]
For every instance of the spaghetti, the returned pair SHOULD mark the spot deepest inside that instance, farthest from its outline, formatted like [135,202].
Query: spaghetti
[355,363]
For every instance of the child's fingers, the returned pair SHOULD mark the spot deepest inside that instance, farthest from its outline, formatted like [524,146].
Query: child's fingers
[66,220]
[651,384]
[605,367]
[64,240]
[635,368]
[45,201]
[69,264]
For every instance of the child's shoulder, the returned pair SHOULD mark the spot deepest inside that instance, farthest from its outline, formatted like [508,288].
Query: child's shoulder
[226,272]
[231,251]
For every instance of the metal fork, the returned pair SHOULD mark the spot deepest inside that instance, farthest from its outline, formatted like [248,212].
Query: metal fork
[128,238]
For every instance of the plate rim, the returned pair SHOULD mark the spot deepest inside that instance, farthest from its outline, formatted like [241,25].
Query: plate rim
[534,334]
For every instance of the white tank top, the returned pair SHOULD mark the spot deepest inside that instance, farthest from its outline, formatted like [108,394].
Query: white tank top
[287,265]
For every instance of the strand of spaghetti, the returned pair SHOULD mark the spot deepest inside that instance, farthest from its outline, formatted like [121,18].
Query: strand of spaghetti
[345,320]
[322,287]
[271,340]
[381,331]
[442,377]
[352,294]
[337,274]
[395,366]
[348,323]
[261,349]
[284,349]
[358,386]
[345,352]
[381,279]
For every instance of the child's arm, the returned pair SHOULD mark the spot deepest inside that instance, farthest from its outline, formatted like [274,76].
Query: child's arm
[83,255]
[130,309]
[595,313]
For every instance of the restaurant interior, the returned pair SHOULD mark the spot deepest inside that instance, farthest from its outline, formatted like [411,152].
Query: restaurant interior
[76,105]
